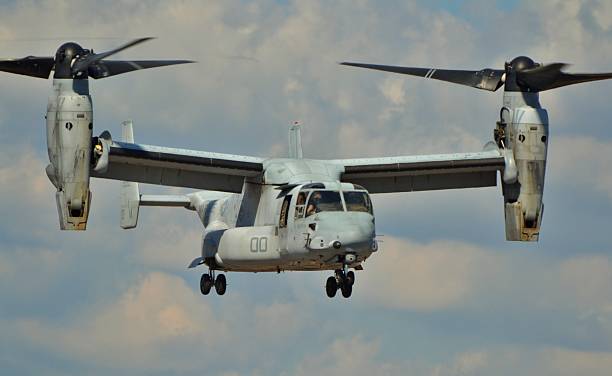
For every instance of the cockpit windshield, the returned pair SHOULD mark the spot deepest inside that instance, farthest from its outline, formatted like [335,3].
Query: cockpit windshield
[323,201]
[357,201]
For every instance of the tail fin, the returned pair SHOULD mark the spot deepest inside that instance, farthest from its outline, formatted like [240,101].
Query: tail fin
[295,141]
[132,200]
[130,195]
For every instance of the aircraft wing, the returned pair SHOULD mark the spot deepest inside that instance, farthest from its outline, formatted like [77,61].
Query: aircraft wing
[424,172]
[176,167]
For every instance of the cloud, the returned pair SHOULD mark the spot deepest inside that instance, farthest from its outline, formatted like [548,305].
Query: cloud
[535,361]
[134,330]
[160,323]
[171,246]
[359,356]
[444,276]
[347,356]
[422,277]
[582,162]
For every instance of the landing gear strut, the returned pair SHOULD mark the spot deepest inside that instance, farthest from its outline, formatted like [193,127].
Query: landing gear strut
[208,280]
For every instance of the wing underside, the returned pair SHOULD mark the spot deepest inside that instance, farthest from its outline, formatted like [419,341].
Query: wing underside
[423,173]
[179,167]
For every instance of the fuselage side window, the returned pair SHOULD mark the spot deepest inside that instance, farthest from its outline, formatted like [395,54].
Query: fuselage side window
[300,205]
[324,201]
[282,223]
[358,201]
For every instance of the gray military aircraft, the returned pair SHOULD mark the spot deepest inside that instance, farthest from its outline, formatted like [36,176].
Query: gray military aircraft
[294,213]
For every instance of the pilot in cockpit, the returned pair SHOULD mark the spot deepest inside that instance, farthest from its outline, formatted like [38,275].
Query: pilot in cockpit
[313,204]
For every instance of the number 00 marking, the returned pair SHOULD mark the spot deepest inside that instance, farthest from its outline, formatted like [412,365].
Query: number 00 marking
[259,244]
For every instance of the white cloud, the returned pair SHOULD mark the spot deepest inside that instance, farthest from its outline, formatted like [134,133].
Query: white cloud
[545,360]
[160,323]
[444,275]
[134,330]
[422,277]
[347,356]
[393,90]
[168,246]
[358,356]
[582,162]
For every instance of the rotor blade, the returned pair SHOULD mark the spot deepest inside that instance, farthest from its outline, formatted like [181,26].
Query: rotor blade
[485,79]
[28,66]
[106,68]
[551,76]
[86,61]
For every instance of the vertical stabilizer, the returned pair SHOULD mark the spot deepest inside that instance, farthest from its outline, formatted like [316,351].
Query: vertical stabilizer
[295,141]
[130,195]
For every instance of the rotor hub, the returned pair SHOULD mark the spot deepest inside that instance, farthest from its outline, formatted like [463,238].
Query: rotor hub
[522,63]
[65,56]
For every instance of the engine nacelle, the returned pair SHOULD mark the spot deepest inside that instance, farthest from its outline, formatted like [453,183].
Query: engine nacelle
[69,131]
[524,131]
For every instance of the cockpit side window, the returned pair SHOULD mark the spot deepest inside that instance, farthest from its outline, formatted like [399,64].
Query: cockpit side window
[300,205]
[324,201]
[358,201]
[282,223]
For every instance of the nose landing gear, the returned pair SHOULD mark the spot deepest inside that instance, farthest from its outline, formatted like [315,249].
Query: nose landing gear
[208,280]
[342,279]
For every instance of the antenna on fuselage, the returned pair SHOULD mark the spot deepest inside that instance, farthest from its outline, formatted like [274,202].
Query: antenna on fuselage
[295,140]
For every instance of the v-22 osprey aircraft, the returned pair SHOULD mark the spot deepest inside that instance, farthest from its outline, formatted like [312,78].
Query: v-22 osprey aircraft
[294,213]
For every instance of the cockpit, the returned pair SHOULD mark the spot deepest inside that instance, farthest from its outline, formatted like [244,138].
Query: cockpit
[316,198]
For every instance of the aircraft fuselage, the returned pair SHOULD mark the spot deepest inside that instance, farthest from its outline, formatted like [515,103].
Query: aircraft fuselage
[309,226]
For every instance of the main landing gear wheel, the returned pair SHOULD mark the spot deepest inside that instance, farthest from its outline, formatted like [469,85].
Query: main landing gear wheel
[220,284]
[331,286]
[206,284]
[209,280]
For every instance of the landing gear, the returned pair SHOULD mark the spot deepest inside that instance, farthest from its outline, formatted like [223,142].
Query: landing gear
[208,280]
[350,277]
[331,287]
[220,284]
[347,289]
[343,280]
[206,284]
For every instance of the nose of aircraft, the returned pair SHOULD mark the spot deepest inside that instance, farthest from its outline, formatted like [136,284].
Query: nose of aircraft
[349,231]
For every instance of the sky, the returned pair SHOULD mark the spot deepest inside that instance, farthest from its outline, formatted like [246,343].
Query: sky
[445,295]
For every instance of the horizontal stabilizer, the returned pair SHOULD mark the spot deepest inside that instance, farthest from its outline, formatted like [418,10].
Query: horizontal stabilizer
[178,201]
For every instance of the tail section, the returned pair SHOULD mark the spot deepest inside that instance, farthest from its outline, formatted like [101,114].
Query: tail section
[132,200]
[295,141]
[130,194]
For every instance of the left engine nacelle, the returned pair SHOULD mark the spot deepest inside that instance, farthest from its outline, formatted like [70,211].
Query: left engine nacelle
[69,131]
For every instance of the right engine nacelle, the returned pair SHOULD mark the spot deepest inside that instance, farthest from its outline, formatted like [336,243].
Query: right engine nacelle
[526,140]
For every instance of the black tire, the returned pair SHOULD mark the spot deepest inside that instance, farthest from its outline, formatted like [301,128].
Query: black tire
[220,284]
[205,284]
[350,277]
[331,287]
[346,289]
